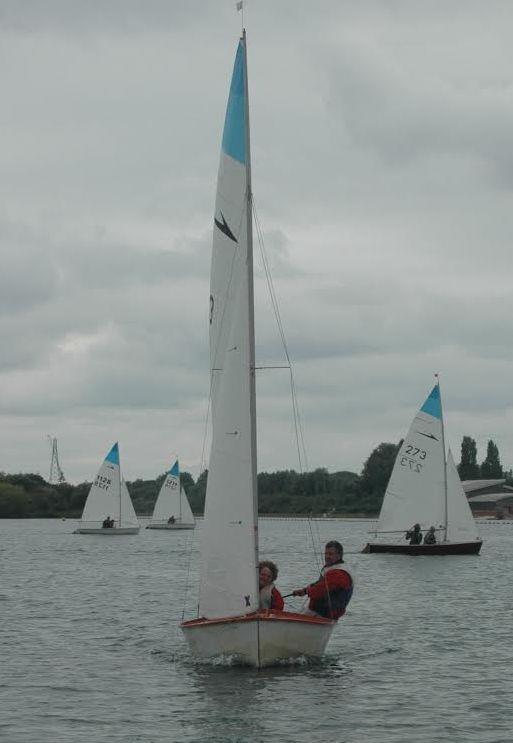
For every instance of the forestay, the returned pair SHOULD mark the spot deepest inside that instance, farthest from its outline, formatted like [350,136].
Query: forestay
[461,526]
[229,534]
[416,490]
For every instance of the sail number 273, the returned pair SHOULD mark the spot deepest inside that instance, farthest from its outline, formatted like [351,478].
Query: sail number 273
[411,456]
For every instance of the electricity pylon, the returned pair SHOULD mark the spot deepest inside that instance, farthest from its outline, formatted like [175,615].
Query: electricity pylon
[56,473]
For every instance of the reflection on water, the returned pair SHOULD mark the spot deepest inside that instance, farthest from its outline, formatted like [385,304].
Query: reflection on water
[91,650]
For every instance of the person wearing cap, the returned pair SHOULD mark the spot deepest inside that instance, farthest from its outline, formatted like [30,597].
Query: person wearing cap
[330,595]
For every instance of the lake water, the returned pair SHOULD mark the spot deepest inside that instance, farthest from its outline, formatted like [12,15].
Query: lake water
[90,650]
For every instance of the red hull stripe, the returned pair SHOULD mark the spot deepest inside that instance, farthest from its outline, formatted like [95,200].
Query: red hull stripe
[267,615]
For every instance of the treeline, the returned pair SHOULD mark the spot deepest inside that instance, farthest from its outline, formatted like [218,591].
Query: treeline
[489,469]
[284,492]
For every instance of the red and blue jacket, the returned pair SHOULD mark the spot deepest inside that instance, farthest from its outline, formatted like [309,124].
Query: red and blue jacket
[330,595]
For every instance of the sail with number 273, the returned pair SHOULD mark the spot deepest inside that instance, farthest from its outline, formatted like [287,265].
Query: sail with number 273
[425,489]
[229,620]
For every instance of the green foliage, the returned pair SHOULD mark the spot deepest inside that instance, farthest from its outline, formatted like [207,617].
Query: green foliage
[378,468]
[468,468]
[491,467]
[14,501]
[282,492]
[196,493]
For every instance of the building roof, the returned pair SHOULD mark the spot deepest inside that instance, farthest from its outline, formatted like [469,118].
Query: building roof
[489,497]
[470,485]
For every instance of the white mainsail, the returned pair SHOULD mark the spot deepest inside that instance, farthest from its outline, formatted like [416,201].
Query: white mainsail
[461,526]
[104,498]
[229,585]
[109,496]
[416,489]
[172,500]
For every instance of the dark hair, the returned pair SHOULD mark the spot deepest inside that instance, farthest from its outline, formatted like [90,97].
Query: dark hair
[336,546]
[272,567]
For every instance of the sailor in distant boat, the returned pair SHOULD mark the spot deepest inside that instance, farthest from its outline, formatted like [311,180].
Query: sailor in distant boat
[108,523]
[270,597]
[414,535]
[330,595]
[171,520]
[430,537]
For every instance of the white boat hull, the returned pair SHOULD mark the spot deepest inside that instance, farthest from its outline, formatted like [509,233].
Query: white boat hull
[261,639]
[171,527]
[114,532]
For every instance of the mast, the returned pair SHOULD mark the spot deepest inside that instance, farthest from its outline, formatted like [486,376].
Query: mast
[251,309]
[120,496]
[179,498]
[445,460]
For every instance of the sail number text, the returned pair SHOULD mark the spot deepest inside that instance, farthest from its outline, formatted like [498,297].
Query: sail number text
[413,454]
[171,484]
[103,482]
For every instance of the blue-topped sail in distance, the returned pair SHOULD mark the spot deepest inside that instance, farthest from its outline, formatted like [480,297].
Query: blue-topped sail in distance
[175,470]
[433,405]
[113,455]
[234,133]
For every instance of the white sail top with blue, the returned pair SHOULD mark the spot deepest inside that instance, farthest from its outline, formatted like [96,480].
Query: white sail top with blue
[416,489]
[108,496]
[172,500]
[229,584]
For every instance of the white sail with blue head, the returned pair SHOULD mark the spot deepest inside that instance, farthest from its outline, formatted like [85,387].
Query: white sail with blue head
[416,489]
[172,501]
[229,533]
[103,500]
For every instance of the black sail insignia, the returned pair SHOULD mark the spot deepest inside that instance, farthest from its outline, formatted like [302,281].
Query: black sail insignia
[223,226]
[427,435]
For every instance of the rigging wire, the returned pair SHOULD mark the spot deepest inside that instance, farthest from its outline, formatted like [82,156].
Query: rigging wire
[298,428]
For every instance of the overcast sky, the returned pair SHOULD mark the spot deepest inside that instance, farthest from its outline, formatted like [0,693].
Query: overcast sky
[382,149]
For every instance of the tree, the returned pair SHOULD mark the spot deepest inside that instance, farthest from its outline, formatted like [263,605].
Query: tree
[14,501]
[378,468]
[491,467]
[468,467]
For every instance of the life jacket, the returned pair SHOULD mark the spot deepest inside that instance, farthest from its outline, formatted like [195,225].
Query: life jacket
[333,604]
[266,596]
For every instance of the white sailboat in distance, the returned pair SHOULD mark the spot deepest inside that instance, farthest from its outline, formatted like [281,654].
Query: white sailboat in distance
[229,620]
[108,509]
[172,510]
[425,490]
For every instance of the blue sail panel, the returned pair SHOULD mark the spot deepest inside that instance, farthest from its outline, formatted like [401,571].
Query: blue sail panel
[175,470]
[234,133]
[113,455]
[433,405]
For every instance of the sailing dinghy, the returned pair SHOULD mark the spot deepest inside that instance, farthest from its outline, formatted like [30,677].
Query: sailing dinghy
[172,510]
[229,620]
[425,489]
[108,501]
